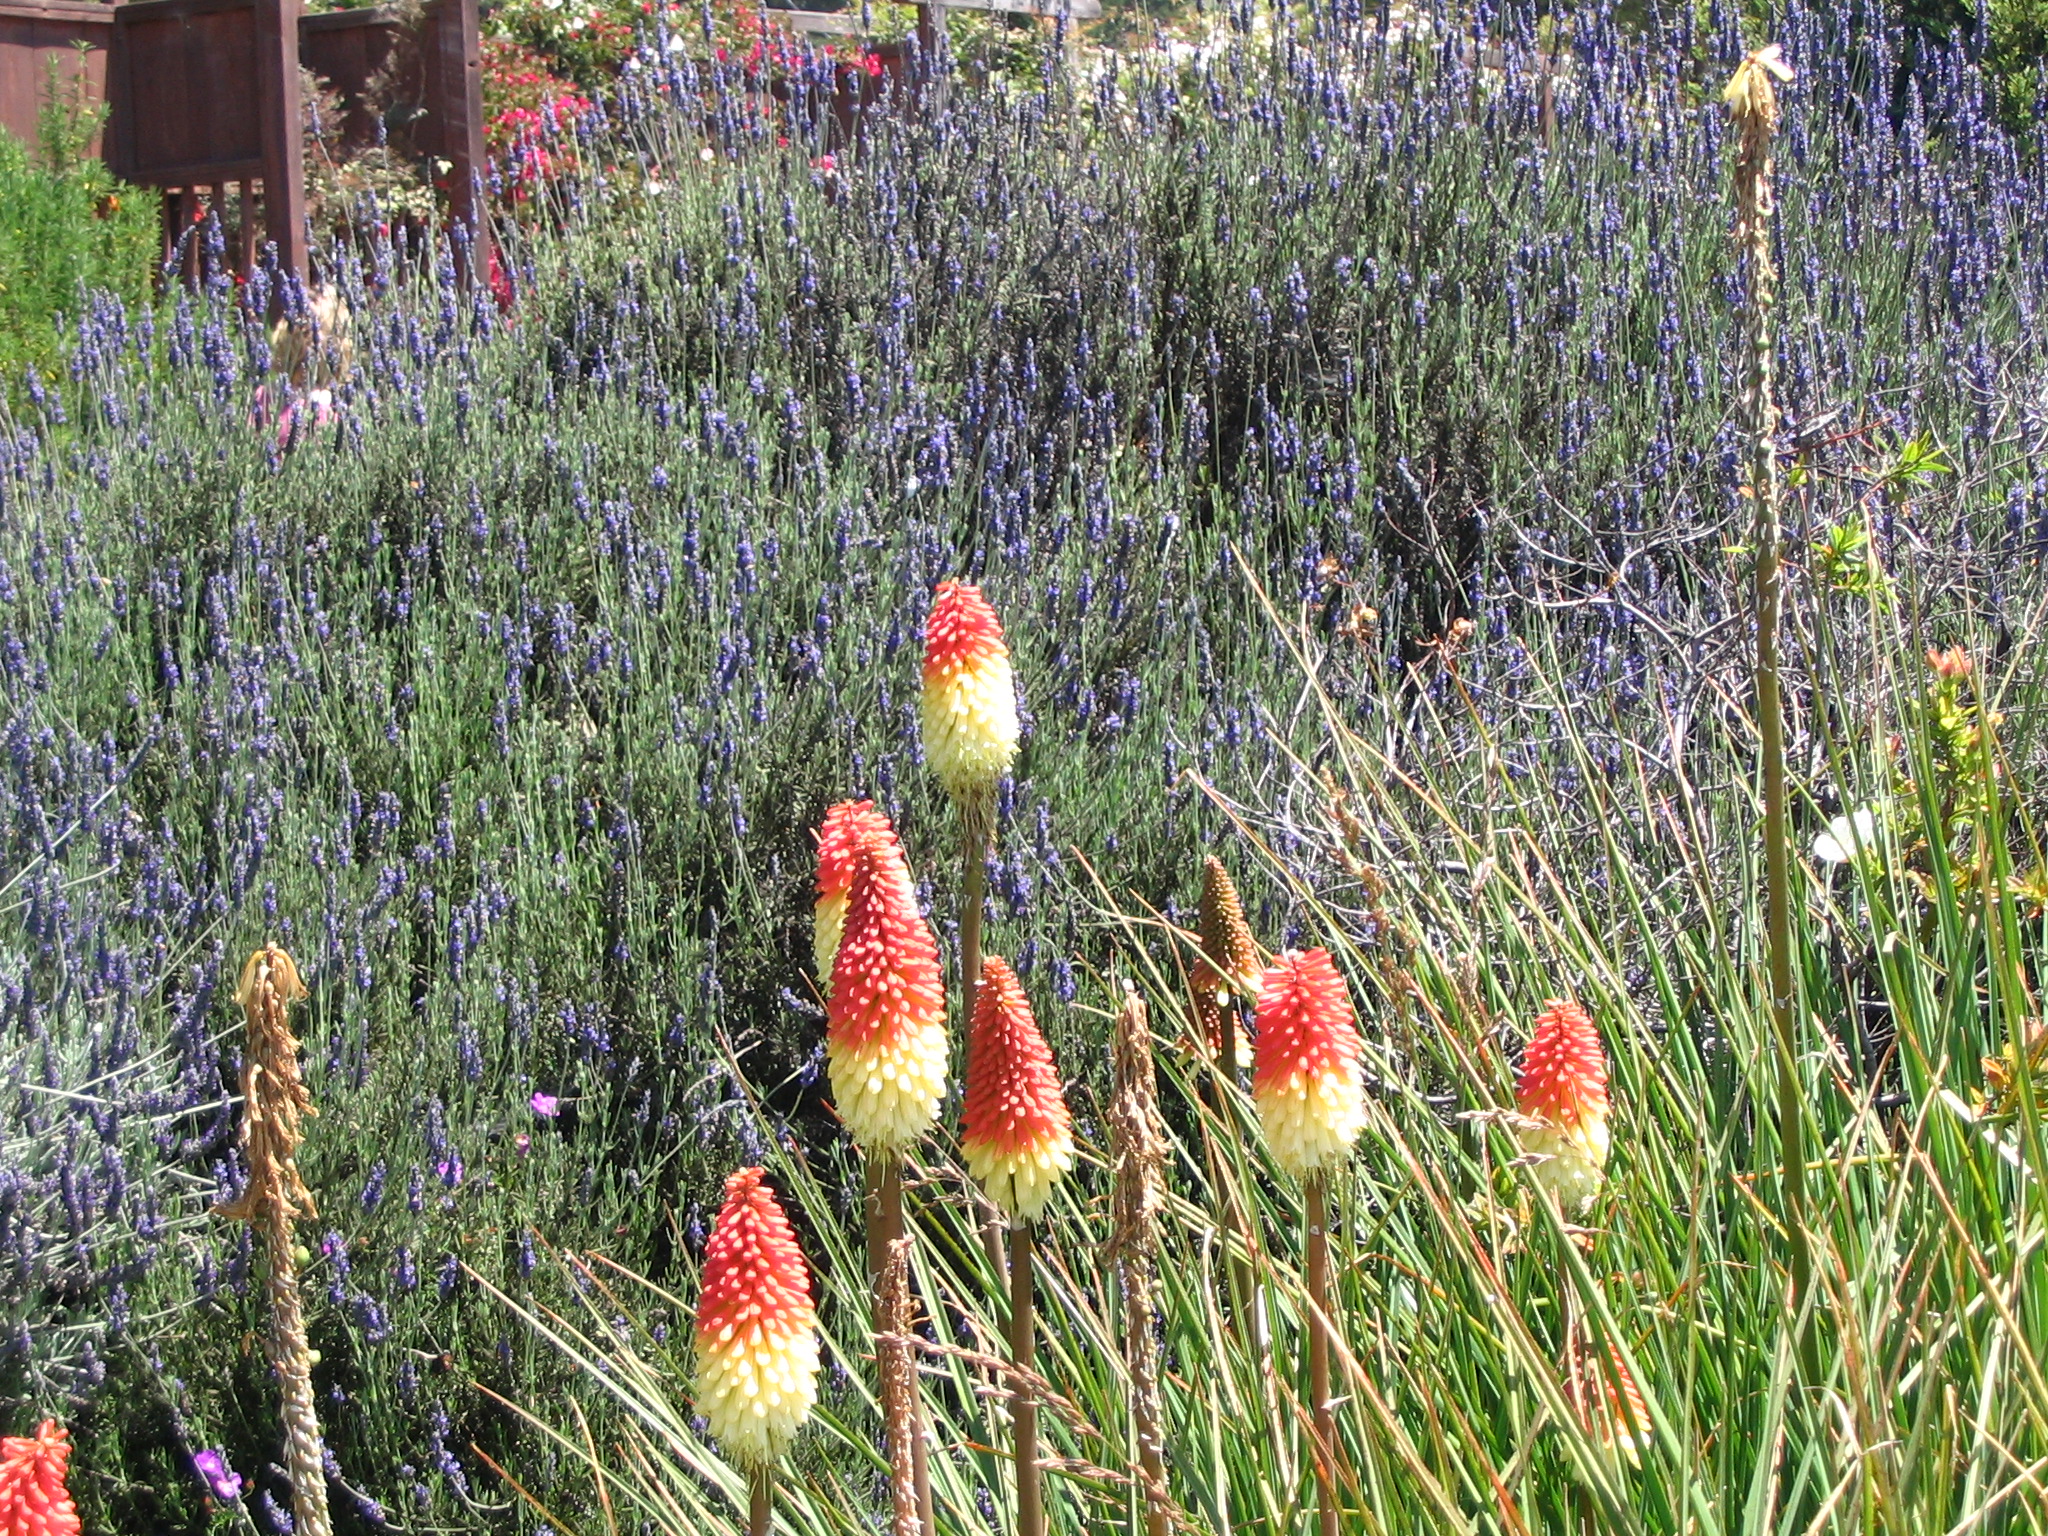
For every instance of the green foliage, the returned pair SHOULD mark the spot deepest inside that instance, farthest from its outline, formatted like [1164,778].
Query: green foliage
[66,227]
[2017,56]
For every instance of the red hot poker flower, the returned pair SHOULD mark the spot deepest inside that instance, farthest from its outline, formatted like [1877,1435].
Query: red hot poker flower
[1609,1402]
[757,1341]
[33,1499]
[885,1032]
[1562,1092]
[970,696]
[840,835]
[1306,1077]
[1017,1135]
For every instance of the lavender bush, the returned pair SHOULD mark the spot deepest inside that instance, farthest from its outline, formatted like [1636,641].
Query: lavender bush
[505,699]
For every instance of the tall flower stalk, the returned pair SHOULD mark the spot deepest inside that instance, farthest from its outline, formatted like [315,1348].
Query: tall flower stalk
[1752,99]
[1137,1163]
[1310,1091]
[968,714]
[757,1339]
[885,1051]
[275,1102]
[1018,1141]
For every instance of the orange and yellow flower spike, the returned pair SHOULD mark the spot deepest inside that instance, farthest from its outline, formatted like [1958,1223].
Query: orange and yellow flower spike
[1306,1078]
[1016,1133]
[1609,1403]
[33,1499]
[839,837]
[970,697]
[1562,1095]
[885,1032]
[757,1339]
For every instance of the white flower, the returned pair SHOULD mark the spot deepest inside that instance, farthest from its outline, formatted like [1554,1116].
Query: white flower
[1851,839]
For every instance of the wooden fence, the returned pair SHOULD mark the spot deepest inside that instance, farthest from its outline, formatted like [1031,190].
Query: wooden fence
[205,103]
[34,34]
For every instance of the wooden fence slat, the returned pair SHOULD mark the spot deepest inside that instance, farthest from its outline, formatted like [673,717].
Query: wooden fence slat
[33,35]
[245,226]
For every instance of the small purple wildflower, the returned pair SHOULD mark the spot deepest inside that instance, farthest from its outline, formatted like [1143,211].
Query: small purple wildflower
[221,1480]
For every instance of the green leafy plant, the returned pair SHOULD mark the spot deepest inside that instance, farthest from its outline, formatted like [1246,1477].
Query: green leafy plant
[66,227]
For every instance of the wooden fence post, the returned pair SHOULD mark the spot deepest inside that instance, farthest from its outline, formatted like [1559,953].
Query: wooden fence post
[455,102]
[282,130]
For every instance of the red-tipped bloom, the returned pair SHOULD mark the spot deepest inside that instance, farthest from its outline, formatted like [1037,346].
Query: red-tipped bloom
[757,1341]
[1306,1077]
[839,838]
[1609,1402]
[885,1033]
[33,1500]
[1017,1136]
[970,698]
[1562,1094]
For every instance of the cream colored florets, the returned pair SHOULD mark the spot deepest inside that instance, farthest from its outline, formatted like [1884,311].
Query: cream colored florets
[888,1090]
[1311,1121]
[755,1391]
[1021,1182]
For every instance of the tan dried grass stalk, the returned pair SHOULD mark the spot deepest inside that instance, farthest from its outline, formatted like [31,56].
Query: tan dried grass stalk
[275,1102]
[1752,99]
[898,1370]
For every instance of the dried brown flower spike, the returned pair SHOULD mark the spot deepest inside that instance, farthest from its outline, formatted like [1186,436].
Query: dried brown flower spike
[1228,968]
[1226,940]
[275,1103]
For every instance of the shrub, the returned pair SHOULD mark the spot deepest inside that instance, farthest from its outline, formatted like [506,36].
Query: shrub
[66,227]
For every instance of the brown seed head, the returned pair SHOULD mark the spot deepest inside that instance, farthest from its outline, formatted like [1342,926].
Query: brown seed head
[275,1100]
[1226,940]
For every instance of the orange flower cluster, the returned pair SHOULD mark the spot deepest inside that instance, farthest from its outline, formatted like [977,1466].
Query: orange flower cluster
[33,1499]
[757,1341]
[1562,1094]
[1017,1136]
[885,1031]
[1306,1078]
[846,826]
[1608,1402]
[970,697]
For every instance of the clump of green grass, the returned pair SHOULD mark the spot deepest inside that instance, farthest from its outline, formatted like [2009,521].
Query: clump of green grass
[67,228]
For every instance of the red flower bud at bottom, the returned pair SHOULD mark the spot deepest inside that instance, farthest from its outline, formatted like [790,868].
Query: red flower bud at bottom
[757,1342]
[33,1499]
